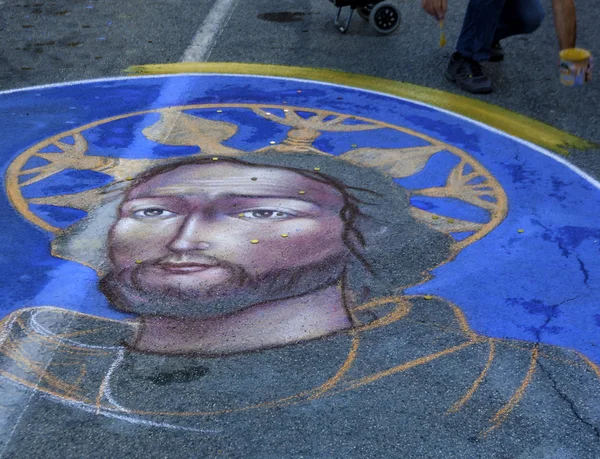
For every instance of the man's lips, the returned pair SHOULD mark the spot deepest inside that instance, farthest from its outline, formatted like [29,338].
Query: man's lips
[185,267]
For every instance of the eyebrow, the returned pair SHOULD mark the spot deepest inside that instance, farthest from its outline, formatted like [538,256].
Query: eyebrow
[230,196]
[285,197]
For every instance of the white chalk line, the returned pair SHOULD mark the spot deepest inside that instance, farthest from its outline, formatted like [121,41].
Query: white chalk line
[106,382]
[108,414]
[4,336]
[209,31]
[28,403]
[41,330]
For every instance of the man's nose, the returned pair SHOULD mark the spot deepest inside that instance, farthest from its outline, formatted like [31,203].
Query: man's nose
[192,235]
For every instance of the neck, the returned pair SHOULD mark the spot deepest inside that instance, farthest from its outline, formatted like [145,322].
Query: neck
[277,323]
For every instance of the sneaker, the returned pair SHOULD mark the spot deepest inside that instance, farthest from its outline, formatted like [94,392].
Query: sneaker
[468,75]
[496,52]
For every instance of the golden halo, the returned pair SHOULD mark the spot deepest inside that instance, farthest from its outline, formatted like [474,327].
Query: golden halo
[468,181]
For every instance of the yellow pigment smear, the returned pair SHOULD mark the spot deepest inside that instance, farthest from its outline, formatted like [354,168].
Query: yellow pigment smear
[510,122]
[575,54]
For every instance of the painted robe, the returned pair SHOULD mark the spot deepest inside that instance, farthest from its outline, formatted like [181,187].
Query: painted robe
[410,380]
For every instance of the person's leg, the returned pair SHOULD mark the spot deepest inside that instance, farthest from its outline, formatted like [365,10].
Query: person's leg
[486,22]
[474,45]
[519,17]
[479,26]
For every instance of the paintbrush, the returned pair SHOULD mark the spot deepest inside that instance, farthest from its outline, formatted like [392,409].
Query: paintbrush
[442,34]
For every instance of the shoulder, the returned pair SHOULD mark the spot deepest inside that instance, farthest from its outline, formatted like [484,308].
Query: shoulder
[428,308]
[58,324]
[59,352]
[568,367]
[510,369]
[547,360]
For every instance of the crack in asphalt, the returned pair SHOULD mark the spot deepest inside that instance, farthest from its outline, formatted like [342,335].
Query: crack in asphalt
[565,251]
[592,426]
[583,269]
[538,331]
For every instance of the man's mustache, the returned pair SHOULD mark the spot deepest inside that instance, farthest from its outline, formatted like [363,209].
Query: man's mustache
[190,260]
[239,276]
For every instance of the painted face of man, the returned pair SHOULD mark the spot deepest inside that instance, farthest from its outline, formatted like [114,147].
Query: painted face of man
[223,233]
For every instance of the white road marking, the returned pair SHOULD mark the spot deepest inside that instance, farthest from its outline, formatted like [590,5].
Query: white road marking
[206,36]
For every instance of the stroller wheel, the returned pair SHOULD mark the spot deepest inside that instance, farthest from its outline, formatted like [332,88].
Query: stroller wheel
[365,11]
[384,18]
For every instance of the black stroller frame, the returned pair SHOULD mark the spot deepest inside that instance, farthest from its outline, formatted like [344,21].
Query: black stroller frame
[383,16]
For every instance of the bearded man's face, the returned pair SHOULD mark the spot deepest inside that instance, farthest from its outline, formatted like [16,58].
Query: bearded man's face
[208,239]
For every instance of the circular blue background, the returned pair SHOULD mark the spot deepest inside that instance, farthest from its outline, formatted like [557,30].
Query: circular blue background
[541,285]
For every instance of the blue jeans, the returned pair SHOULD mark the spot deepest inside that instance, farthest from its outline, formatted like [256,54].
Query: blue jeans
[488,21]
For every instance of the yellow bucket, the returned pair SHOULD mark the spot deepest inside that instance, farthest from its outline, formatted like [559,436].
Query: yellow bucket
[575,66]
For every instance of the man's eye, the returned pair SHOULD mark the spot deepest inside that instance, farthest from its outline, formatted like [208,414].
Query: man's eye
[265,214]
[153,212]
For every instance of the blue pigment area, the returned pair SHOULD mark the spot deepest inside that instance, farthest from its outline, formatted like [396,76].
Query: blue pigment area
[451,208]
[253,132]
[434,174]
[538,285]
[124,139]
[339,143]
[67,181]
[60,217]
[35,161]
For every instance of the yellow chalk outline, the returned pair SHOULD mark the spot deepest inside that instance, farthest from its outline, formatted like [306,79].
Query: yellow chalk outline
[502,119]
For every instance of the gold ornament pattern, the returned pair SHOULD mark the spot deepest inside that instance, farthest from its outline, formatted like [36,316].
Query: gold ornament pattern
[469,181]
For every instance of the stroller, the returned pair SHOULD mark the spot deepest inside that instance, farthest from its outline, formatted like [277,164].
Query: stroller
[383,16]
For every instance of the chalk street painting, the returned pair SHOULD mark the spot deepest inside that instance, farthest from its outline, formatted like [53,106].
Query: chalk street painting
[197,266]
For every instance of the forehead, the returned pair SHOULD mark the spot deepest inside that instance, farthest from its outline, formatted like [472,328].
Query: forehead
[214,180]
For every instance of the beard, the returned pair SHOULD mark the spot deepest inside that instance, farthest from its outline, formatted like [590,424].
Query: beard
[126,291]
